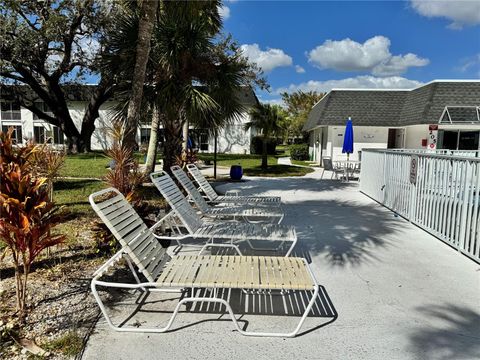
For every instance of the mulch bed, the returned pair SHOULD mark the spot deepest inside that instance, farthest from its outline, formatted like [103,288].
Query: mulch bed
[59,298]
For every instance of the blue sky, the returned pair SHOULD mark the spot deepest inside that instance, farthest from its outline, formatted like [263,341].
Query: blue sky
[317,45]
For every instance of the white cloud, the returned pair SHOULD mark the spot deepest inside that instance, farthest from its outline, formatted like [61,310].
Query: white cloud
[398,64]
[359,82]
[373,56]
[466,12]
[268,59]
[470,64]
[224,12]
[299,69]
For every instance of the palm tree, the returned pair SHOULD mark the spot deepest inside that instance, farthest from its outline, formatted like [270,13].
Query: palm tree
[191,73]
[266,118]
[145,27]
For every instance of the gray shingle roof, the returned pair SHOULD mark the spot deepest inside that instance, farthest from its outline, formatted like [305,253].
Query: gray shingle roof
[423,105]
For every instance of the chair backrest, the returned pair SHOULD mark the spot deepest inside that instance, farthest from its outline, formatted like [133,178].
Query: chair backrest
[177,201]
[327,163]
[202,182]
[130,231]
[189,186]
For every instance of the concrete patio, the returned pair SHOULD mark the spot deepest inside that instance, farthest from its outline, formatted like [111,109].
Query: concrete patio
[390,291]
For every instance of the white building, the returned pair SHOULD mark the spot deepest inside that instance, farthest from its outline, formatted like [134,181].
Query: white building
[233,139]
[443,114]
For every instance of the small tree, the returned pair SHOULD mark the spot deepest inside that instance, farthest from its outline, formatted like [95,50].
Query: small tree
[266,118]
[27,214]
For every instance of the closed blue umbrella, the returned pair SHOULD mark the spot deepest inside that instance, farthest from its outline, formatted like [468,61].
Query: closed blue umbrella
[348,138]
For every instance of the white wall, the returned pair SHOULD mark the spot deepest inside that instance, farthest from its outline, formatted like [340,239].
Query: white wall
[234,139]
[364,137]
[414,135]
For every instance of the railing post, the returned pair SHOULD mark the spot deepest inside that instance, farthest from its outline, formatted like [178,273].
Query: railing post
[464,205]
[413,191]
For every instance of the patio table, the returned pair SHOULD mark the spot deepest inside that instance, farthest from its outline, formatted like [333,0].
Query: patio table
[348,166]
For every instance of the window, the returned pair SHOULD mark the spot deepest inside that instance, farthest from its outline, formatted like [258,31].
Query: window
[43,107]
[11,111]
[144,136]
[58,137]
[199,139]
[39,134]
[460,115]
[17,133]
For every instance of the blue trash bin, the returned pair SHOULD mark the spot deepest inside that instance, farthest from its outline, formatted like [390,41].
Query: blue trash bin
[236,172]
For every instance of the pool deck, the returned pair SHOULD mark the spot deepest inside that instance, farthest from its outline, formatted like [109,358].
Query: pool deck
[389,291]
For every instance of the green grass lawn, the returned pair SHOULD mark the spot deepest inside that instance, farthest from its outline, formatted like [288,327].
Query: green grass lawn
[73,195]
[251,164]
[91,165]
[277,171]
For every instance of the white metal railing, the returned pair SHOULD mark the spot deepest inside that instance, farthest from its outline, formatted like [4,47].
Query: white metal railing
[442,196]
[464,153]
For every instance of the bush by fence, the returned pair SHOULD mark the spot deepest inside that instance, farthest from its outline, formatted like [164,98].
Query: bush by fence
[299,152]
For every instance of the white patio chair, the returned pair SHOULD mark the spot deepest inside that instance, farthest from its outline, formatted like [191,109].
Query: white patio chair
[248,212]
[227,198]
[233,231]
[328,165]
[177,274]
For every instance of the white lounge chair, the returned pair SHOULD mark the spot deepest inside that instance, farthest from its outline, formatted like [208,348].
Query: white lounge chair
[248,212]
[219,230]
[236,199]
[178,274]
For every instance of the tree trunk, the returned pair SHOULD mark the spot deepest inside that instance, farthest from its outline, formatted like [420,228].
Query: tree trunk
[264,154]
[173,145]
[145,28]
[152,145]
[215,143]
[185,140]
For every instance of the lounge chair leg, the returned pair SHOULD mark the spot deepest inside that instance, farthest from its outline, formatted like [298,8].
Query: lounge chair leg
[93,286]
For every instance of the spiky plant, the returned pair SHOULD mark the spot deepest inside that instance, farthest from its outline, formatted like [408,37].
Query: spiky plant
[27,214]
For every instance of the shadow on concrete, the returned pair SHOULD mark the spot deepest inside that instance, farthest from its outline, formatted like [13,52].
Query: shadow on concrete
[291,304]
[345,232]
[253,186]
[457,338]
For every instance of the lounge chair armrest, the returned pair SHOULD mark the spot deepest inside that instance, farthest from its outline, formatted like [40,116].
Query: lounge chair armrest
[161,221]
[233,192]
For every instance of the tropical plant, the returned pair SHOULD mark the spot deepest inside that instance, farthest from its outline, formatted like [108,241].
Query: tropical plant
[47,162]
[27,214]
[124,173]
[266,118]
[194,76]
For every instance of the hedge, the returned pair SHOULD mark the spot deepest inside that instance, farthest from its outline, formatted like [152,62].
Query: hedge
[299,152]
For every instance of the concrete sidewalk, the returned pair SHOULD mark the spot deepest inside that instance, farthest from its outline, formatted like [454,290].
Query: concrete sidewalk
[398,292]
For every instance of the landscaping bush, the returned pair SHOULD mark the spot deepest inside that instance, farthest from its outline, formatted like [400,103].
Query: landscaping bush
[256,145]
[299,152]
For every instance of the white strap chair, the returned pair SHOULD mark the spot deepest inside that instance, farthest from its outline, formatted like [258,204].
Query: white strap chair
[248,212]
[227,230]
[236,199]
[191,272]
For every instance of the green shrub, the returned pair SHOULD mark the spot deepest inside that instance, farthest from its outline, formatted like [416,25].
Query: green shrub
[256,145]
[299,152]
